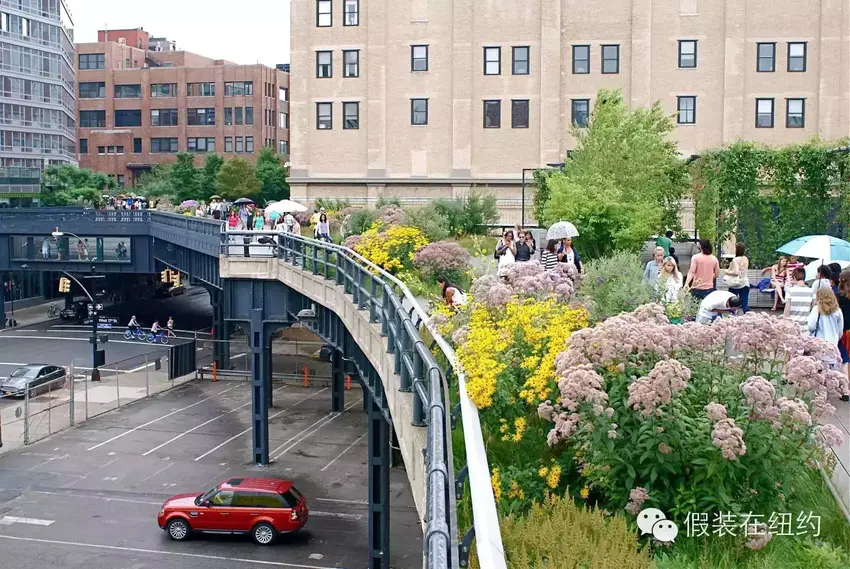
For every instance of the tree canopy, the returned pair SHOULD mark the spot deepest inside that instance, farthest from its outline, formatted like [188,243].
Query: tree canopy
[69,185]
[237,179]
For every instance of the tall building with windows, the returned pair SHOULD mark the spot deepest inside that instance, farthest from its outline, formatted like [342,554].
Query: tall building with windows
[427,98]
[141,101]
[37,106]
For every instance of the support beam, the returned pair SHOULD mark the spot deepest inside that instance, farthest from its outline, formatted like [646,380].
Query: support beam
[337,382]
[260,379]
[379,486]
[221,330]
[267,354]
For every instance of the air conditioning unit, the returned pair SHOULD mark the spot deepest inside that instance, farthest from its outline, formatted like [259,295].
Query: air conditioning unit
[122,41]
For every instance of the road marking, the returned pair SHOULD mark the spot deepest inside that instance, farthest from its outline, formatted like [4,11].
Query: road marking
[201,425]
[302,431]
[239,355]
[329,420]
[160,552]
[348,448]
[66,339]
[161,418]
[90,472]
[140,368]
[316,514]
[11,364]
[160,471]
[8,520]
[358,502]
[89,496]
[234,437]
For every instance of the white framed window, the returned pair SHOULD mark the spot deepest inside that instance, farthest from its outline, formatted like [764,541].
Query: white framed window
[795,113]
[351,13]
[686,107]
[492,61]
[351,63]
[764,113]
[324,13]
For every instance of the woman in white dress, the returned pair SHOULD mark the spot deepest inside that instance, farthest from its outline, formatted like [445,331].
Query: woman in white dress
[669,282]
[505,251]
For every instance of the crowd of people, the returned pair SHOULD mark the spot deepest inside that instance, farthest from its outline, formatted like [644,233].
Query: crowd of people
[523,248]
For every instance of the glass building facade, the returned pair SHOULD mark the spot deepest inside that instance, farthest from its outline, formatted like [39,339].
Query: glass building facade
[37,95]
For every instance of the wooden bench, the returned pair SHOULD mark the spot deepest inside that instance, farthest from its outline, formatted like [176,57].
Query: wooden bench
[758,299]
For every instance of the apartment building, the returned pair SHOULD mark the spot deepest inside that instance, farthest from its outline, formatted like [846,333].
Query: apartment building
[427,98]
[141,101]
[37,117]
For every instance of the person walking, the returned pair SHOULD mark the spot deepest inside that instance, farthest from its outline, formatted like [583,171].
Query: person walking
[549,256]
[670,280]
[665,242]
[524,246]
[703,272]
[844,343]
[568,254]
[45,249]
[170,327]
[826,321]
[323,228]
[736,277]
[505,252]
[798,299]
[653,267]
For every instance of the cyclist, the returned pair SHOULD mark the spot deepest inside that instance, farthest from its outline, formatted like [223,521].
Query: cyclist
[170,326]
[156,328]
[133,324]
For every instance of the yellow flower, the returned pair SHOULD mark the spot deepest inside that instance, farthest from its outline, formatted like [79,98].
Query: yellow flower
[585,471]
[585,492]
[554,477]
[543,472]
[496,482]
[515,491]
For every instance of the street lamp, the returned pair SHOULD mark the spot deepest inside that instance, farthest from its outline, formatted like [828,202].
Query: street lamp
[524,170]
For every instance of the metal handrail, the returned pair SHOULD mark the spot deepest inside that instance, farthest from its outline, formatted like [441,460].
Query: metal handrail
[488,537]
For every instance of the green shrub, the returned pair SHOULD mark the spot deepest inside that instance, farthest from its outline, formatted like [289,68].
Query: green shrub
[468,216]
[359,221]
[613,284]
[430,221]
[561,535]
[384,202]
[332,204]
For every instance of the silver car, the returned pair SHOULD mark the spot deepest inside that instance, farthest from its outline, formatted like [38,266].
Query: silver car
[35,378]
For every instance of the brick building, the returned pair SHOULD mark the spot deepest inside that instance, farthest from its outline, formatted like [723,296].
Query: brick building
[140,101]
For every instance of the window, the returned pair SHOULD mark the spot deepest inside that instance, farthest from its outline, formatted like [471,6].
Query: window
[238,88]
[581,112]
[492,114]
[283,147]
[201,144]
[137,145]
[110,150]
[283,120]
[324,116]
[686,108]
[239,145]
[84,146]
[419,58]
[521,60]
[163,145]
[92,61]
[687,54]
[92,119]
[796,57]
[519,113]
[492,60]
[249,144]
[163,89]
[419,112]
[350,116]
[120,180]
[128,118]
[581,59]
[201,117]
[228,116]
[351,13]
[92,90]
[164,117]
[766,58]
[283,94]
[324,13]
[249,116]
[351,63]
[128,91]
[101,150]
[764,113]
[324,66]
[119,150]
[200,89]
[222,498]
[610,59]
[795,113]
[228,144]
[237,118]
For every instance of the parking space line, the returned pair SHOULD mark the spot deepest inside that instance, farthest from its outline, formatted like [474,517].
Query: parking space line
[90,472]
[160,552]
[329,420]
[234,437]
[161,418]
[160,471]
[202,424]
[67,339]
[358,502]
[348,448]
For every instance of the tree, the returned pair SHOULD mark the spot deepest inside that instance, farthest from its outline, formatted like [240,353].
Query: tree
[237,179]
[208,175]
[272,175]
[157,183]
[70,185]
[185,178]
[624,180]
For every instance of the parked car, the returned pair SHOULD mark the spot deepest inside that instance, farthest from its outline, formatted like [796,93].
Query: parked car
[166,290]
[79,310]
[35,378]
[265,508]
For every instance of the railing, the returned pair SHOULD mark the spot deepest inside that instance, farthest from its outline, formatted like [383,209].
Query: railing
[203,225]
[394,307]
[63,214]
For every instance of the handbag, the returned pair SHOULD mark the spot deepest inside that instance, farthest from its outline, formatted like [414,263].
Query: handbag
[736,281]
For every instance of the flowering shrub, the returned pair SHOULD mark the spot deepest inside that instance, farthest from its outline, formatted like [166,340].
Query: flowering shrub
[612,285]
[693,418]
[393,249]
[433,224]
[446,258]
[526,280]
[393,215]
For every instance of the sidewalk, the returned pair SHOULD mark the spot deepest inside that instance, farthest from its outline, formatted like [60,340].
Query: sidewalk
[31,315]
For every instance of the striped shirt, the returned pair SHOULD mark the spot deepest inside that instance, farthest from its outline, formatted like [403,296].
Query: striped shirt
[549,260]
[799,300]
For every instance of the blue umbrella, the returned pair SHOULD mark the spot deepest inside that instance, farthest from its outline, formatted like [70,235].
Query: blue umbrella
[823,247]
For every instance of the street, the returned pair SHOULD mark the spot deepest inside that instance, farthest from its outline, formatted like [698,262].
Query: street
[88,497]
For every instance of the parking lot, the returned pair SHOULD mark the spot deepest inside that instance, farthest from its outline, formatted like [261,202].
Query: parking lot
[89,496]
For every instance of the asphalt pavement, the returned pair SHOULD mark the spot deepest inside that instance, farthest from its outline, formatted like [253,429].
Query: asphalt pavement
[89,496]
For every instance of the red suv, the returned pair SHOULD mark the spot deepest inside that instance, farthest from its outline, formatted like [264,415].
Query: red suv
[263,507]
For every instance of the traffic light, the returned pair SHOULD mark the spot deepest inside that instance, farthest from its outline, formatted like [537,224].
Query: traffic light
[64,285]
[175,279]
[166,276]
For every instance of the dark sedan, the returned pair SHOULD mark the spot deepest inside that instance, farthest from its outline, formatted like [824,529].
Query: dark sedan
[79,310]
[35,378]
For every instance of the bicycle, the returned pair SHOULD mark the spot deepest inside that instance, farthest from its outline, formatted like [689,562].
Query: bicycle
[161,337]
[52,311]
[138,334]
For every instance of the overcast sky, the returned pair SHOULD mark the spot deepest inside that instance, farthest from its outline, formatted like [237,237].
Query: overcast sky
[243,31]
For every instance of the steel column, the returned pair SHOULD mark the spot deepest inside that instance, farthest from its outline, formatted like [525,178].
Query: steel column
[267,355]
[337,382]
[260,378]
[379,486]
[221,347]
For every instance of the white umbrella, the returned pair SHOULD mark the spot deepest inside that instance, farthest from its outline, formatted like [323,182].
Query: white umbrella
[812,268]
[824,247]
[285,206]
[562,230]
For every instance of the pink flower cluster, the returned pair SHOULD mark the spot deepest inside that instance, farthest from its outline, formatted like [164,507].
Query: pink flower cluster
[832,435]
[793,413]
[393,215]
[582,384]
[656,389]
[759,394]
[442,257]
[715,411]
[760,333]
[729,439]
[527,279]
[637,497]
[352,241]
[460,335]
[808,375]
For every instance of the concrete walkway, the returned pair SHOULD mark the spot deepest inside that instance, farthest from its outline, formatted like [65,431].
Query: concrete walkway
[31,315]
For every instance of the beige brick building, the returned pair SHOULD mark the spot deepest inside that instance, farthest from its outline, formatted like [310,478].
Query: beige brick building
[430,98]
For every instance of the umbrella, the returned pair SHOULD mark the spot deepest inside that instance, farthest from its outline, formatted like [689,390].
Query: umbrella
[285,206]
[562,230]
[812,268]
[824,247]
[241,201]
[215,197]
[189,203]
